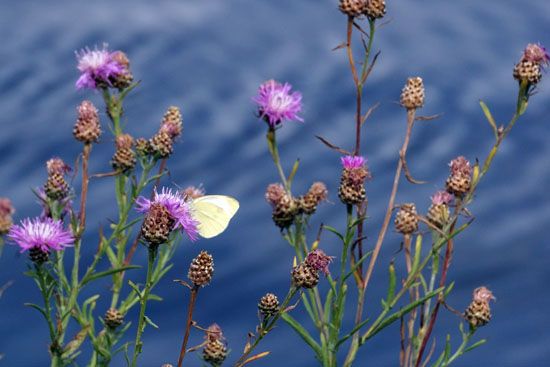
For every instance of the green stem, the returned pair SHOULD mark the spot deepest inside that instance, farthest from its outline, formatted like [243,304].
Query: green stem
[143,304]
[274,150]
[460,350]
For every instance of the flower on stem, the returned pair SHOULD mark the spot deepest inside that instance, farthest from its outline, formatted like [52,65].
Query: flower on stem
[478,312]
[97,67]
[124,158]
[274,193]
[460,179]
[354,173]
[530,66]
[56,188]
[125,78]
[201,269]
[268,305]
[215,349]
[412,94]
[438,213]
[306,274]
[276,103]
[6,212]
[316,194]
[172,122]
[177,207]
[87,128]
[536,53]
[406,219]
[319,261]
[40,236]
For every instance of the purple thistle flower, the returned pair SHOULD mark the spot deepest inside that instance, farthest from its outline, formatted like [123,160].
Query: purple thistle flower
[536,53]
[276,103]
[177,206]
[442,197]
[96,65]
[460,165]
[483,294]
[353,162]
[319,261]
[44,233]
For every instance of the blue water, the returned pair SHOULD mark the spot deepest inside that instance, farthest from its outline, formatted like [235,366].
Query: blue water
[208,58]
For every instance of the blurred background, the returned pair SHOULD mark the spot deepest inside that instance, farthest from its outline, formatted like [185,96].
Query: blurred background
[208,57]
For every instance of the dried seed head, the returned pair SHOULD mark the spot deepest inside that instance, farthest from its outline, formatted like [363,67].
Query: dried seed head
[412,95]
[6,212]
[157,225]
[285,211]
[201,269]
[87,128]
[172,122]
[528,71]
[268,305]
[375,9]
[406,219]
[305,276]
[143,147]
[214,352]
[536,53]
[319,261]
[161,144]
[483,294]
[353,8]
[56,165]
[214,332]
[478,312]
[113,318]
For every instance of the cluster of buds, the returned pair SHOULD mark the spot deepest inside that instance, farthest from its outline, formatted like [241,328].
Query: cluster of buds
[317,193]
[438,213]
[124,159]
[306,274]
[268,305]
[201,269]
[215,347]
[6,213]
[56,188]
[412,94]
[529,68]
[87,128]
[373,9]
[352,183]
[478,312]
[113,318]
[284,205]
[161,145]
[406,219]
[459,181]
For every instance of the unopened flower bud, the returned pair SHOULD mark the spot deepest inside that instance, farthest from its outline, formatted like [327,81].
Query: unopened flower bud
[157,225]
[201,269]
[460,179]
[113,318]
[352,182]
[308,203]
[124,158]
[375,9]
[274,193]
[172,122]
[353,8]
[438,213]
[268,305]
[87,128]
[215,349]
[305,276]
[56,188]
[406,219]
[412,95]
[478,312]
[162,144]
[285,211]
[124,78]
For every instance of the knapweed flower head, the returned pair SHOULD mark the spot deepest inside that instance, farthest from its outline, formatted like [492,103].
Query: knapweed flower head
[356,168]
[124,141]
[56,165]
[6,207]
[483,294]
[460,166]
[214,333]
[353,161]
[97,67]
[178,207]
[442,197]
[172,122]
[45,234]
[536,53]
[319,191]
[318,260]
[276,103]
[274,193]
[87,128]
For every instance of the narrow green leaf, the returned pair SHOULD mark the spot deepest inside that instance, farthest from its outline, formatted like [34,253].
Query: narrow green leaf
[475,345]
[293,172]
[489,117]
[447,348]
[335,231]
[357,264]
[393,282]
[353,331]
[105,273]
[135,288]
[417,254]
[150,322]
[154,297]
[38,308]
[303,333]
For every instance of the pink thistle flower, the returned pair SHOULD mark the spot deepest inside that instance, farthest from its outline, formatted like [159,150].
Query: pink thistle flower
[353,162]
[177,206]
[460,165]
[45,234]
[214,333]
[56,165]
[319,261]
[276,103]
[274,193]
[6,208]
[536,53]
[442,197]
[483,294]
[97,66]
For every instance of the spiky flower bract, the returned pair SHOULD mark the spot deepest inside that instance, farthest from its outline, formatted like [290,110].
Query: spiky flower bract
[177,206]
[460,165]
[353,161]
[483,294]
[276,103]
[45,234]
[442,197]
[536,53]
[319,261]
[97,67]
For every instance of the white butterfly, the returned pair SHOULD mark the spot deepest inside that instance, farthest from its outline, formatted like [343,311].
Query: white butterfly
[213,212]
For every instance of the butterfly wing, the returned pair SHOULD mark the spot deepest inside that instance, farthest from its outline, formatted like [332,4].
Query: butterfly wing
[213,212]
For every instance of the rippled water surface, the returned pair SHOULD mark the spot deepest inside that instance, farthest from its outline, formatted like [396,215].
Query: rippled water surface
[208,57]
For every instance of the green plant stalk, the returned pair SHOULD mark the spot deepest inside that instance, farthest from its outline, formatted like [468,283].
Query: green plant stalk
[143,305]
[265,330]
[43,290]
[460,351]
[274,150]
